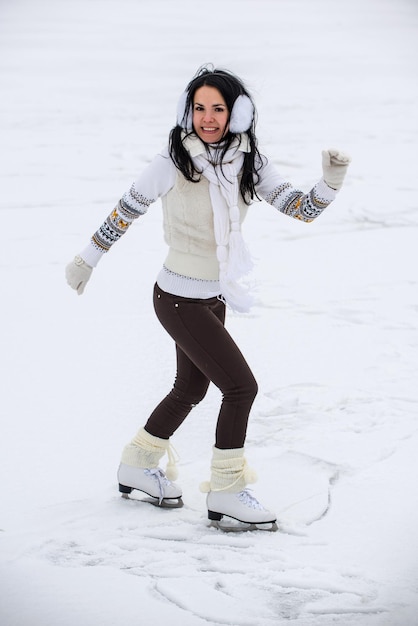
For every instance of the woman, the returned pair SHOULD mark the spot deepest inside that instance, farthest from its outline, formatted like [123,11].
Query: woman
[207,177]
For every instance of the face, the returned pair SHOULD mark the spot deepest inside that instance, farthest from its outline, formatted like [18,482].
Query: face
[210,114]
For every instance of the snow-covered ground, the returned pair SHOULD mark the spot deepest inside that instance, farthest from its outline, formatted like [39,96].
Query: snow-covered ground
[88,95]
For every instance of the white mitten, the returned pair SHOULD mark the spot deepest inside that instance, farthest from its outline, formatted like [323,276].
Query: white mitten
[334,166]
[77,274]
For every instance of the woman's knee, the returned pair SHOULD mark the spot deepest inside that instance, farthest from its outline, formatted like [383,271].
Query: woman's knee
[244,391]
[190,395]
[252,389]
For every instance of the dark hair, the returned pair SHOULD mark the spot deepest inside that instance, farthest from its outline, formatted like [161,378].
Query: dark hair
[230,86]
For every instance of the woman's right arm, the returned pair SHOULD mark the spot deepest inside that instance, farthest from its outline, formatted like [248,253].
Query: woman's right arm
[155,181]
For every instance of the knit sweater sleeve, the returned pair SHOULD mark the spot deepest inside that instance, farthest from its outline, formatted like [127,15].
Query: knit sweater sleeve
[291,201]
[155,181]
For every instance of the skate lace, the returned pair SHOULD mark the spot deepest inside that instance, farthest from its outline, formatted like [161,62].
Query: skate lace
[249,500]
[161,478]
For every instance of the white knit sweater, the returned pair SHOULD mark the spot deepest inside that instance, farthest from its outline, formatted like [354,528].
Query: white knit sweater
[191,268]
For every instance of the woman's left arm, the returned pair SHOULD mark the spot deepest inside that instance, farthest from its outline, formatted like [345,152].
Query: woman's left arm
[304,206]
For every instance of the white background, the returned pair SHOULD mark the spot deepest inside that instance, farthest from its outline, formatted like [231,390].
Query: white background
[88,95]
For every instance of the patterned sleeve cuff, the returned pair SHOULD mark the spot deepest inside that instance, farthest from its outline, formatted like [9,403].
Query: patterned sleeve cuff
[304,207]
[129,208]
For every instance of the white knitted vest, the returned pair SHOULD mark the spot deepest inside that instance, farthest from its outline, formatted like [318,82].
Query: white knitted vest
[189,230]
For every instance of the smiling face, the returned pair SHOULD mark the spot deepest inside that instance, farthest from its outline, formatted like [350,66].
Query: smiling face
[210,114]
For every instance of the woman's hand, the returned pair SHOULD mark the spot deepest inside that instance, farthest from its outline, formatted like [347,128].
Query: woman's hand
[334,166]
[77,274]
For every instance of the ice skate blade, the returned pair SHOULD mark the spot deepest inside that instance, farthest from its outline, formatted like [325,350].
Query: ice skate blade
[166,503]
[242,527]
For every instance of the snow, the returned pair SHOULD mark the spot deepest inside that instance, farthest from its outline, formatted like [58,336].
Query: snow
[89,92]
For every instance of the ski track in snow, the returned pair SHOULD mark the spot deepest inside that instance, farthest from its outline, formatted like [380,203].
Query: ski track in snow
[91,89]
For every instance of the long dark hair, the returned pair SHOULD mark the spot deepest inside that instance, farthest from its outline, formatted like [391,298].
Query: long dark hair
[230,86]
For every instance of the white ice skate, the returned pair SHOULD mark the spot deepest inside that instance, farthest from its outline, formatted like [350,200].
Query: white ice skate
[152,482]
[242,507]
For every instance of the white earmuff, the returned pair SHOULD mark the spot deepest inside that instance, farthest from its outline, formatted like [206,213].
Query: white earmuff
[242,115]
[183,120]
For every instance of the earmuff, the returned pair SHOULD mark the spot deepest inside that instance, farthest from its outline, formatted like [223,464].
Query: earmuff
[183,120]
[242,114]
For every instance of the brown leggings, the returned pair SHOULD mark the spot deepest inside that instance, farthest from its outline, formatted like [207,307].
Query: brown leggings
[205,353]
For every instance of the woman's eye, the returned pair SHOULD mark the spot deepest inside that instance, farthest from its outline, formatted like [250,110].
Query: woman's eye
[198,107]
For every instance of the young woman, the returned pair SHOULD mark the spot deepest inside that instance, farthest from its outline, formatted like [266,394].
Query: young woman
[207,177]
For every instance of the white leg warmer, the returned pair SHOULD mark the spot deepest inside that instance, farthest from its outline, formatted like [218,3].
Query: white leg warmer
[229,472]
[146,451]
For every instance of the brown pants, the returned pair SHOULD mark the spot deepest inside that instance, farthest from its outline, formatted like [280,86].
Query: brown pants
[205,353]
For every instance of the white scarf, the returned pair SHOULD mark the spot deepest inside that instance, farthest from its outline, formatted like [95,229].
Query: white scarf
[232,253]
